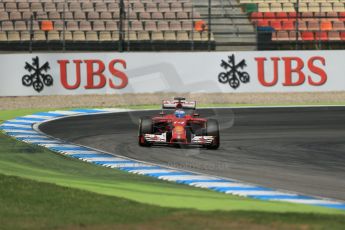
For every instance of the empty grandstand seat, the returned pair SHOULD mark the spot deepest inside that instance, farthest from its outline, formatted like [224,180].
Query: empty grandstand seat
[20,26]
[4,16]
[338,7]
[72,26]
[131,35]
[150,26]
[13,36]
[7,25]
[282,16]
[288,7]
[91,36]
[87,6]
[288,25]
[262,23]
[269,15]
[342,35]
[263,7]
[85,26]
[98,25]
[106,15]
[93,15]
[36,7]
[276,7]
[58,25]
[255,16]
[143,36]
[338,25]
[162,25]
[157,36]
[302,25]
[78,36]
[157,16]
[282,36]
[115,36]
[175,25]
[326,25]
[195,36]
[276,25]
[170,15]
[342,16]
[334,35]
[79,15]
[321,35]
[47,25]
[138,7]
[111,25]
[169,36]
[136,25]
[187,25]
[15,15]
[49,7]
[3,36]
[54,15]
[25,36]
[293,36]
[303,7]
[41,15]
[105,36]
[307,36]
[39,36]
[53,35]
[181,15]
[144,16]
[313,25]
[23,7]
[74,6]
[182,36]
[68,35]
[151,7]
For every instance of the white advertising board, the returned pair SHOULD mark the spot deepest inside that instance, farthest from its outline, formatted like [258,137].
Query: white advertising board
[212,72]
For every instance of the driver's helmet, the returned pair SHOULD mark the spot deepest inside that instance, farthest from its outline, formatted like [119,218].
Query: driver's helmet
[180,113]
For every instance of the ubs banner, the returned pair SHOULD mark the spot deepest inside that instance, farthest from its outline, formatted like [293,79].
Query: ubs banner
[111,73]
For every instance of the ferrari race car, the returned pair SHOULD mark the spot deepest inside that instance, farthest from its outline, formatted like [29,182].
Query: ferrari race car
[181,127]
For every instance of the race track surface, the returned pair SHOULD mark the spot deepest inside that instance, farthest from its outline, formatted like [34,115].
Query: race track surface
[295,149]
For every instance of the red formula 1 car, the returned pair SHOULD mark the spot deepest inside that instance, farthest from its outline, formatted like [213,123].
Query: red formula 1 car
[180,128]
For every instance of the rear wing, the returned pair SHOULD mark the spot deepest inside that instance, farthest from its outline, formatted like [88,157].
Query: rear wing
[178,104]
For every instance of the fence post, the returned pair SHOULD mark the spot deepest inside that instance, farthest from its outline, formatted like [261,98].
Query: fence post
[64,27]
[192,31]
[31,32]
[122,12]
[297,24]
[209,25]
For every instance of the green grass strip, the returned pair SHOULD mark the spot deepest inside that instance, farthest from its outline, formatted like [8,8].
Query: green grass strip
[27,204]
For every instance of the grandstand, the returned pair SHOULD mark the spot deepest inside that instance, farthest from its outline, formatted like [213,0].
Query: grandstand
[308,24]
[152,25]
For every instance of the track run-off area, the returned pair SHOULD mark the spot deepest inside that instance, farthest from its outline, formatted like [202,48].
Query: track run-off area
[299,149]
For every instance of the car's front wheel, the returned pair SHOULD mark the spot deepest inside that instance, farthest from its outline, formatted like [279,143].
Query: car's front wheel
[212,129]
[145,127]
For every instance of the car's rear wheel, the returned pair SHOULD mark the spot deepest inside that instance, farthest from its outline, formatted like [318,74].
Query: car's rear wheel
[212,129]
[145,127]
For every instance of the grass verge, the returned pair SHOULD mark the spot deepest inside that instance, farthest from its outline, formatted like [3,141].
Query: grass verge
[28,204]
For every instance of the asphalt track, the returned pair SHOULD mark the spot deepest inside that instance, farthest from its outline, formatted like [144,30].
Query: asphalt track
[294,149]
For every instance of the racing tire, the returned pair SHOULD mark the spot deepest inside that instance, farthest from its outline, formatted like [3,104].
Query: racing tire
[145,127]
[212,129]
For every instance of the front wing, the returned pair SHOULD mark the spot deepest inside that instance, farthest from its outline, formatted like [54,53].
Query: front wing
[195,140]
